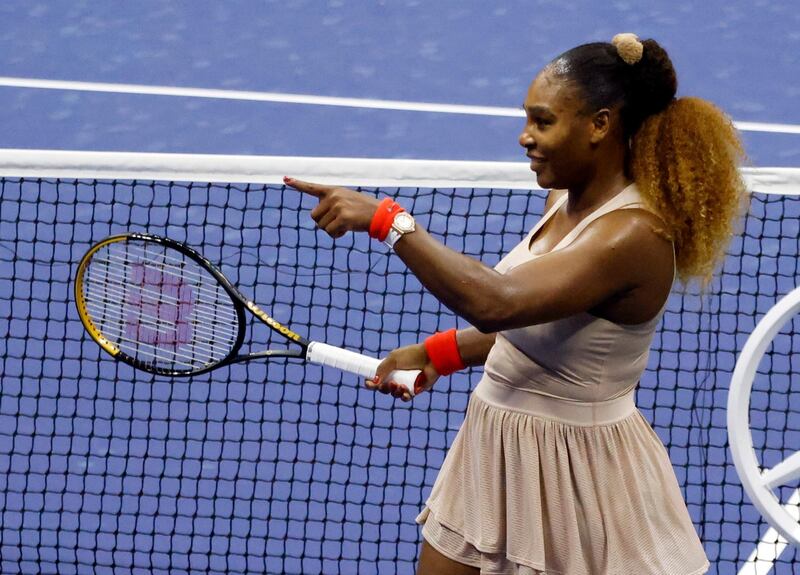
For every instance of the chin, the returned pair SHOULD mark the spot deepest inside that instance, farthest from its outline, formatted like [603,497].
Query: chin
[544,181]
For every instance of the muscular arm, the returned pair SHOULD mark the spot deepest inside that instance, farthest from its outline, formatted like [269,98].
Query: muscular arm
[615,256]
[606,260]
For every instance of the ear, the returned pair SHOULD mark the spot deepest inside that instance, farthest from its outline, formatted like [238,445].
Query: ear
[601,125]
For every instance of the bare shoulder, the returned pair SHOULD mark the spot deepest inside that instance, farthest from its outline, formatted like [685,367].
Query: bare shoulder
[634,225]
[631,242]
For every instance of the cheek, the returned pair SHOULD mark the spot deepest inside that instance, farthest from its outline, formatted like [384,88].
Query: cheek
[568,150]
[557,141]
[564,162]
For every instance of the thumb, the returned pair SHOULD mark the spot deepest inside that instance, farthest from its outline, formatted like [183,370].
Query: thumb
[426,380]
[387,366]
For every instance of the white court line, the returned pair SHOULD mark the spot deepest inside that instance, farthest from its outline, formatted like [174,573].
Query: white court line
[284,98]
[771,546]
[259,97]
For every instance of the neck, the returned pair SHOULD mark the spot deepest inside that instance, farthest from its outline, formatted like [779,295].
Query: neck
[609,180]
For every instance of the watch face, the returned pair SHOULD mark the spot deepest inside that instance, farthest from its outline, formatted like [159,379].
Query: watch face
[403,222]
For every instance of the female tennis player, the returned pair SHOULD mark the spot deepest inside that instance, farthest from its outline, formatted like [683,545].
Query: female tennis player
[554,470]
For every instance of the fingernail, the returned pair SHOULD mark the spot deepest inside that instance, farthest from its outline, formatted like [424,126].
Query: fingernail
[376,380]
[287,179]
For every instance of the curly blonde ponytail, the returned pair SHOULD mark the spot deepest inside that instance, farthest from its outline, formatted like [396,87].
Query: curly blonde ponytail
[685,162]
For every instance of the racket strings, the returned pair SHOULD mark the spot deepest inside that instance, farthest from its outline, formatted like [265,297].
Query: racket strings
[105,311]
[118,288]
[155,352]
[123,326]
[170,266]
[196,352]
[221,313]
[159,308]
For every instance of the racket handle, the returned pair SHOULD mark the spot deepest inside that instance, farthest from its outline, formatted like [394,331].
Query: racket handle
[362,365]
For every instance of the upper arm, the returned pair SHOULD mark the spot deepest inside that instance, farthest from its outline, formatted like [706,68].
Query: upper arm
[616,254]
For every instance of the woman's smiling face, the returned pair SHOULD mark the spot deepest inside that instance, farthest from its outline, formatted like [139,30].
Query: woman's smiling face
[558,132]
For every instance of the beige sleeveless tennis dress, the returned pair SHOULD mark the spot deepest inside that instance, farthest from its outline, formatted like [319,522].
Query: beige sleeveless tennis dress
[554,470]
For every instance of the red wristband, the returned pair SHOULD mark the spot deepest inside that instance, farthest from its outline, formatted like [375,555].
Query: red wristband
[382,220]
[442,349]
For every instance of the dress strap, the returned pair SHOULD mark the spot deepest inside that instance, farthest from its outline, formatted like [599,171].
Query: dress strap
[628,198]
[545,218]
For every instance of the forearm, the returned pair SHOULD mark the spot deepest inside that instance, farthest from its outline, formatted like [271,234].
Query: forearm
[465,285]
[474,346]
[471,289]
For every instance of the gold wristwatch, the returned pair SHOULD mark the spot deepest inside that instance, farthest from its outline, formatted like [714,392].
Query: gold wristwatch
[403,224]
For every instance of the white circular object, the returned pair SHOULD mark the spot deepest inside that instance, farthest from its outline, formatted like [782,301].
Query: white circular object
[759,486]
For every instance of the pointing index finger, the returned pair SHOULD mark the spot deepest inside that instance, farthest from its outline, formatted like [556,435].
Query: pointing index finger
[316,190]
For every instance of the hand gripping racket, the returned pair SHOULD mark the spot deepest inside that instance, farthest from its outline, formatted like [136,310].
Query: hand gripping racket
[161,307]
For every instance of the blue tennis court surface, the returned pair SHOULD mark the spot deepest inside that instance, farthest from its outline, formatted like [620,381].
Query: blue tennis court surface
[742,55]
[103,467]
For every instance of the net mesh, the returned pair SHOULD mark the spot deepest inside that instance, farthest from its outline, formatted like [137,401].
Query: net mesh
[284,468]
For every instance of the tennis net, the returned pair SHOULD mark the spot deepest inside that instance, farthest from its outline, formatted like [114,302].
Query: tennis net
[287,468]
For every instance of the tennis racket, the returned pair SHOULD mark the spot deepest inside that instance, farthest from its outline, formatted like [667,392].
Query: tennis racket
[160,306]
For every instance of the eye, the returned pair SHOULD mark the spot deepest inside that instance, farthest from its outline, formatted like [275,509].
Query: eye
[539,118]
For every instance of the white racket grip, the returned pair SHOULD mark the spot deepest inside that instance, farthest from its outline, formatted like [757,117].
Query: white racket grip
[362,365]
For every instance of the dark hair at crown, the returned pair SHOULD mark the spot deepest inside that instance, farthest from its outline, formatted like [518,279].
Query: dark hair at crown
[605,80]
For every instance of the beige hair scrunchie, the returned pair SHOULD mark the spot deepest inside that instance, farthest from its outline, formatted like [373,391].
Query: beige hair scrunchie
[629,48]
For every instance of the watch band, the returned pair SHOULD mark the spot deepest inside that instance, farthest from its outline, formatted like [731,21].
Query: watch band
[392,237]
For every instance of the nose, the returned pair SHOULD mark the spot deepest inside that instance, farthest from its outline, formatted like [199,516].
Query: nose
[526,138]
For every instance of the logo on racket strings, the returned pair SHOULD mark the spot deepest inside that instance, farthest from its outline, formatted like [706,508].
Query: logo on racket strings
[160,306]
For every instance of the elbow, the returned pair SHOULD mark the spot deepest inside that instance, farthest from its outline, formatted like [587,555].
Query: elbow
[486,327]
[490,305]
[489,317]
[503,310]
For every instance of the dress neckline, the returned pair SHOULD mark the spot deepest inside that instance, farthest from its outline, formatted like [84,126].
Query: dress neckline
[581,225]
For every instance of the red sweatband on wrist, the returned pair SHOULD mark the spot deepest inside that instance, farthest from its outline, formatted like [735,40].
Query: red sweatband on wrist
[442,349]
[382,220]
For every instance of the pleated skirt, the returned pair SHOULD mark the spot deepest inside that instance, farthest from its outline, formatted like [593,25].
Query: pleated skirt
[540,485]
